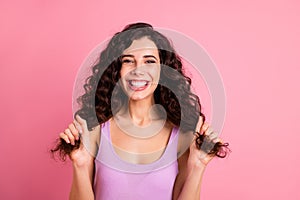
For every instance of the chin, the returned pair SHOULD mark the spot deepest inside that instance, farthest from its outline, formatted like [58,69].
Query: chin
[137,97]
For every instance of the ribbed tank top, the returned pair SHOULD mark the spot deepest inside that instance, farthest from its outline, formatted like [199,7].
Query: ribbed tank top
[117,179]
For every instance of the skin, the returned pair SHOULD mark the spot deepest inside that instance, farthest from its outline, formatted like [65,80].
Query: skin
[140,62]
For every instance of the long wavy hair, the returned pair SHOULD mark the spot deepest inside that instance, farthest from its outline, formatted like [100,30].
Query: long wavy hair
[183,107]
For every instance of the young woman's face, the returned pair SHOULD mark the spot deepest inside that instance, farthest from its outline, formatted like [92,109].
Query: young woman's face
[140,69]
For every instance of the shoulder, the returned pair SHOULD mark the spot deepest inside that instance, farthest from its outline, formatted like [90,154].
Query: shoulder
[95,132]
[94,140]
[184,141]
[95,135]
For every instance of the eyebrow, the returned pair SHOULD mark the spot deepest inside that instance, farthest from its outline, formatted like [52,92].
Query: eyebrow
[132,56]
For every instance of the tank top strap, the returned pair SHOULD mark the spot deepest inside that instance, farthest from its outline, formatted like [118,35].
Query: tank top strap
[105,128]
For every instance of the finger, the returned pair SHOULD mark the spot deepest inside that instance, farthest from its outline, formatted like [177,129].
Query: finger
[204,128]
[70,136]
[216,140]
[78,126]
[199,124]
[74,131]
[80,120]
[82,123]
[64,137]
[211,134]
[85,140]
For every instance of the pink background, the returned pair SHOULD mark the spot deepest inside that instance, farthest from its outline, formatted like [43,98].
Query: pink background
[255,45]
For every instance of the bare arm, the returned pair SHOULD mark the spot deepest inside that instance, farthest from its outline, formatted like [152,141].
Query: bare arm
[189,179]
[192,165]
[192,185]
[82,158]
[82,182]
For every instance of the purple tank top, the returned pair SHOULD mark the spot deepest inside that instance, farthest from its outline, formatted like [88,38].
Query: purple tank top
[117,179]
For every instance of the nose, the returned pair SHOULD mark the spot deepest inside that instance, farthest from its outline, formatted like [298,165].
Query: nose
[138,70]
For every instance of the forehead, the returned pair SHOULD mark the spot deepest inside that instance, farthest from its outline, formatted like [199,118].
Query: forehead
[142,45]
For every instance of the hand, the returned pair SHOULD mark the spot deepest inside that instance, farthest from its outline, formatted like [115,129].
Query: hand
[78,130]
[199,157]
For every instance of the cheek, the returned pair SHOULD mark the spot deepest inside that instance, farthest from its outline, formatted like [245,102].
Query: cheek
[155,72]
[124,71]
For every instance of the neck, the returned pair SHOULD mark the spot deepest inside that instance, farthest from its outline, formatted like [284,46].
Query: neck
[141,111]
[141,118]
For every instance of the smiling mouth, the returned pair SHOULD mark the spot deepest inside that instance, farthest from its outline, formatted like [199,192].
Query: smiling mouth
[138,85]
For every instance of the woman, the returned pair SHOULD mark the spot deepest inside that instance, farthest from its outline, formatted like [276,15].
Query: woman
[140,133]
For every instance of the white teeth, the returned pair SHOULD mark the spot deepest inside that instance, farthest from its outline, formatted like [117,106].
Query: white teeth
[138,83]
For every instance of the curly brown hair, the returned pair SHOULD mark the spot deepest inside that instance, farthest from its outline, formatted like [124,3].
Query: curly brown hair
[173,92]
